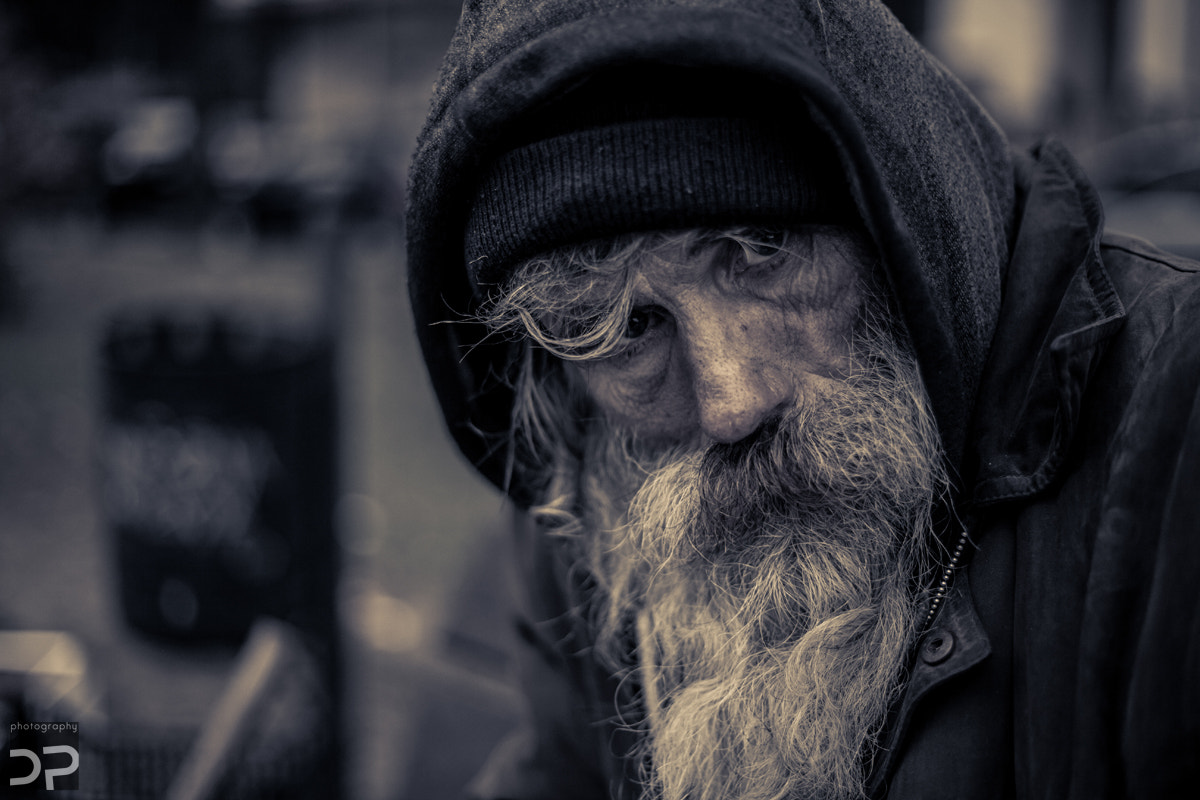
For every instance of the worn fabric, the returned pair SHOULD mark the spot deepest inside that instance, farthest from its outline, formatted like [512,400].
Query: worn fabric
[1063,364]
[653,174]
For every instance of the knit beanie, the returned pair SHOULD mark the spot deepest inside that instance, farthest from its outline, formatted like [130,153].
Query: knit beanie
[634,152]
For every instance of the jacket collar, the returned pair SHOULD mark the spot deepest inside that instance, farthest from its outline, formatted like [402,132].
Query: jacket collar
[1059,307]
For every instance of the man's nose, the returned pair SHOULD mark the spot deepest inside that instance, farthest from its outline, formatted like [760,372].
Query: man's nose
[737,377]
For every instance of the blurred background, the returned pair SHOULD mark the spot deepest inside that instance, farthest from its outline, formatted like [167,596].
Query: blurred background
[235,544]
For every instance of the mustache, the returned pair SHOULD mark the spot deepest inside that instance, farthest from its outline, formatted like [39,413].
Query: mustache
[780,473]
[847,456]
[759,462]
[741,484]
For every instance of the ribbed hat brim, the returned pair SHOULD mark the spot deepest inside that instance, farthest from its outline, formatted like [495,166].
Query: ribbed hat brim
[643,175]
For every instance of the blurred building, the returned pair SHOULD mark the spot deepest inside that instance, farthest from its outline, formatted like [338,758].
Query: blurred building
[1090,68]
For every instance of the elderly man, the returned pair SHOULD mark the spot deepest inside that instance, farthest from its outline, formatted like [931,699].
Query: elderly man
[856,458]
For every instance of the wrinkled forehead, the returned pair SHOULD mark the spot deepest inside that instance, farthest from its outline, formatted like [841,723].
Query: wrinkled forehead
[615,258]
[600,268]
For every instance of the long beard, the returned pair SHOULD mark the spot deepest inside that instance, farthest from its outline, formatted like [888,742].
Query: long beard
[771,586]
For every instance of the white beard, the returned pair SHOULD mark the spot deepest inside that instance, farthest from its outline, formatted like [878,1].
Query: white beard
[772,586]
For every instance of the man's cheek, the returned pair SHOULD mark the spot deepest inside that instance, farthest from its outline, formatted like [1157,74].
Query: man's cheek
[656,406]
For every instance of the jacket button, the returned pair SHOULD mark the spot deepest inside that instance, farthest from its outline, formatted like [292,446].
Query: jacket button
[937,647]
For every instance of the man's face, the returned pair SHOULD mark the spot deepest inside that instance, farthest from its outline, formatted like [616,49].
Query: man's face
[725,333]
[754,499]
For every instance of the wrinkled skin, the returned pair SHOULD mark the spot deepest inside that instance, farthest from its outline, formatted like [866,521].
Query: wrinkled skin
[722,338]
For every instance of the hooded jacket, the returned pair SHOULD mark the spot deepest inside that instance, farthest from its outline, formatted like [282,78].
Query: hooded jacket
[1060,363]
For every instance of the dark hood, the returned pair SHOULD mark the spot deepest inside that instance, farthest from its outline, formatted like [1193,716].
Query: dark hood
[929,171]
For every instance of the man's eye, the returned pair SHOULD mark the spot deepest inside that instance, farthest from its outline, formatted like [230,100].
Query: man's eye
[641,320]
